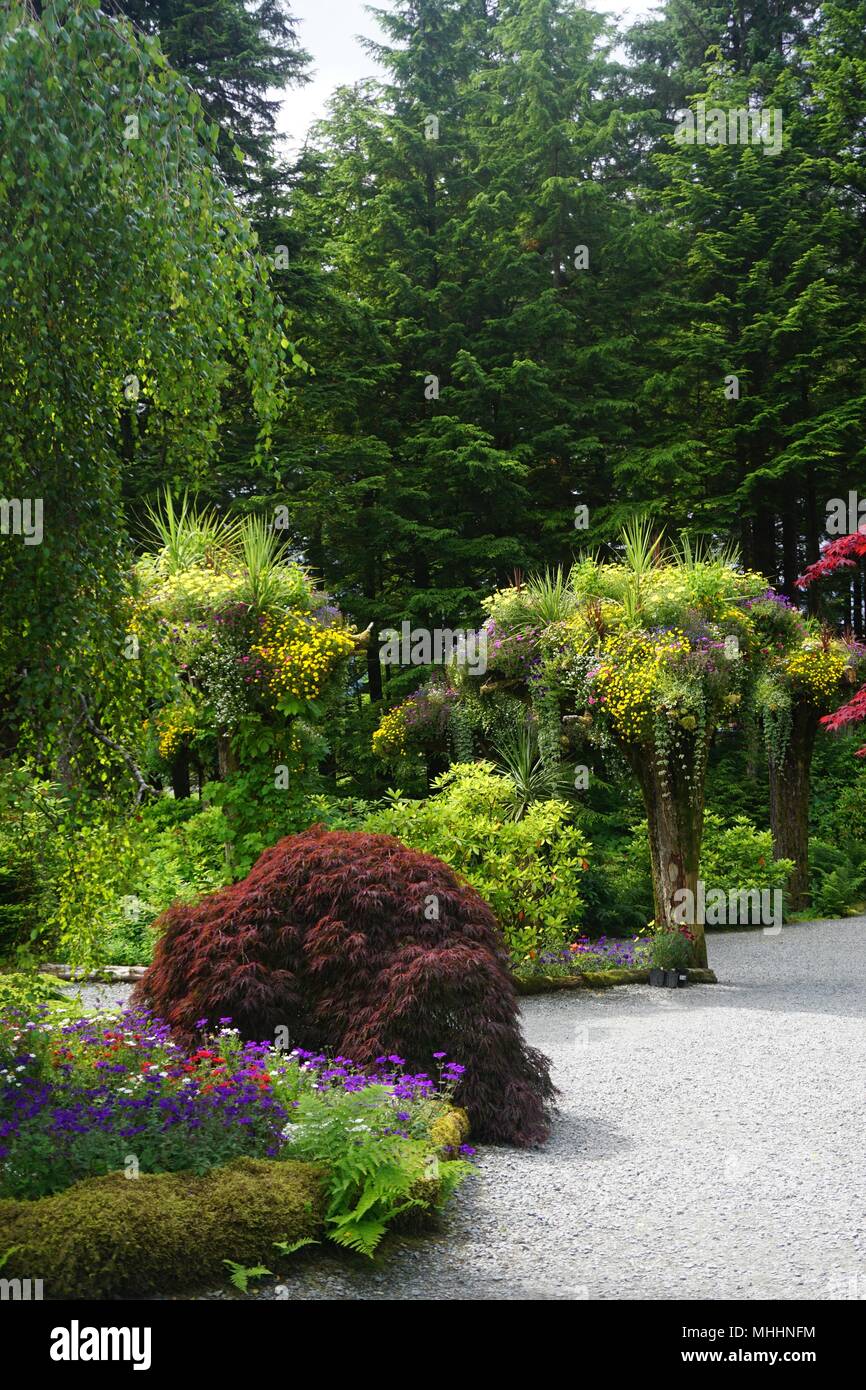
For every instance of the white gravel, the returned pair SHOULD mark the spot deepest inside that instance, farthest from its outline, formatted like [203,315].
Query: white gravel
[709,1144]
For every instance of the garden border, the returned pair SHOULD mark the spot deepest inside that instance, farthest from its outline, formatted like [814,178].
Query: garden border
[100,974]
[600,979]
[533,984]
[110,1236]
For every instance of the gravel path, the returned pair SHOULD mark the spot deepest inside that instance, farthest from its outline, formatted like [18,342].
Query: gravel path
[709,1144]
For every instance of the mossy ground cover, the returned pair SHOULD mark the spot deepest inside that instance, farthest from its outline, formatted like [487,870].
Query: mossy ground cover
[115,1236]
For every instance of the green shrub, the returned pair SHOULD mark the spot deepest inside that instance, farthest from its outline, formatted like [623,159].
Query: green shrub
[838,780]
[618,888]
[33,818]
[839,893]
[529,870]
[17,919]
[670,950]
[846,823]
[836,881]
[25,990]
[739,857]
[179,854]
[161,1232]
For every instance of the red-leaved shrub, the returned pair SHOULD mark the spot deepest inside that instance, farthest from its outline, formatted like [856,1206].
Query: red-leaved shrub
[360,947]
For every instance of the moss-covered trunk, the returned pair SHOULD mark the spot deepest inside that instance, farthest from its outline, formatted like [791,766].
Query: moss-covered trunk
[789,800]
[228,762]
[675,816]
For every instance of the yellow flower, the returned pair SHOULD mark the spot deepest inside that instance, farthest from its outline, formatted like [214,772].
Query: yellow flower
[627,687]
[390,739]
[301,654]
[818,670]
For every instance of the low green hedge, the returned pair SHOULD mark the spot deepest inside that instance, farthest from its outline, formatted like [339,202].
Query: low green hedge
[160,1232]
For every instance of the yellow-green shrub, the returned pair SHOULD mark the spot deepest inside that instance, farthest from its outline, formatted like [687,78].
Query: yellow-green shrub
[528,870]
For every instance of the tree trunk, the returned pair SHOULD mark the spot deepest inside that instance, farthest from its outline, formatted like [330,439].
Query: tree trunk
[227,758]
[228,762]
[180,773]
[374,670]
[676,821]
[789,800]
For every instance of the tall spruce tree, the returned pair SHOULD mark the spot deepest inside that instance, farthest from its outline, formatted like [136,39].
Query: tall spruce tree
[760,292]
[466,218]
[238,55]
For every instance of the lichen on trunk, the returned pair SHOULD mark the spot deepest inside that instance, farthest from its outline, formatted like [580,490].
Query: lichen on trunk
[674,804]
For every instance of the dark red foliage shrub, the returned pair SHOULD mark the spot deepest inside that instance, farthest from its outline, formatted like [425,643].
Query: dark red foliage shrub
[359,947]
[841,554]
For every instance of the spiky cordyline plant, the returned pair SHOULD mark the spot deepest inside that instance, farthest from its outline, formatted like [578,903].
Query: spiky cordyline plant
[189,535]
[263,555]
[550,595]
[689,555]
[522,765]
[641,554]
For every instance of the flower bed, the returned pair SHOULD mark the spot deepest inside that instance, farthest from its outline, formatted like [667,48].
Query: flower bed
[585,957]
[82,1099]
[597,964]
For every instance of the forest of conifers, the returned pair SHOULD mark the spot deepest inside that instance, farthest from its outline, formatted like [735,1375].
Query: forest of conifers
[510,294]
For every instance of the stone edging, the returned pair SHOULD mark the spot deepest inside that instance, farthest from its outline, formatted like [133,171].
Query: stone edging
[535,984]
[600,979]
[108,974]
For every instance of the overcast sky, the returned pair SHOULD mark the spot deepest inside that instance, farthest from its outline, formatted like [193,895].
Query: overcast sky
[328,30]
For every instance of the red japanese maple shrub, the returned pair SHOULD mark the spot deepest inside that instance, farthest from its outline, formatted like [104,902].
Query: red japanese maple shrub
[363,948]
[841,554]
